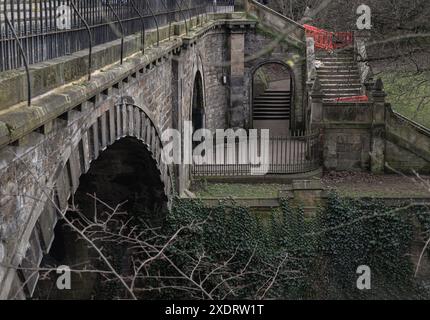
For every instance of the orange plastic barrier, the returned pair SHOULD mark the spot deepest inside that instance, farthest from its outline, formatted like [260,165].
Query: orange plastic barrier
[352,99]
[327,40]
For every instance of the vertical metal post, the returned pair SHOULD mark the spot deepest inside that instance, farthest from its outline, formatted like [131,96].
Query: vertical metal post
[170,20]
[143,24]
[121,26]
[156,22]
[21,50]
[90,38]
[182,13]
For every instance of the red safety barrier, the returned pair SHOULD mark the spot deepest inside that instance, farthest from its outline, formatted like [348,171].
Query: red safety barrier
[352,99]
[327,40]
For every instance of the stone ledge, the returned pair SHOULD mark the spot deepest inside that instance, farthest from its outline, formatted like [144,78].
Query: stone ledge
[19,119]
[48,75]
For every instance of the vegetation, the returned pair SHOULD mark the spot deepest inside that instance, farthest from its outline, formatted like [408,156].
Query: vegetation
[300,258]
[409,94]
[224,190]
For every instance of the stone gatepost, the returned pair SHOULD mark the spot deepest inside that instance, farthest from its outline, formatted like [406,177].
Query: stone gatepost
[316,105]
[377,161]
[241,5]
[237,77]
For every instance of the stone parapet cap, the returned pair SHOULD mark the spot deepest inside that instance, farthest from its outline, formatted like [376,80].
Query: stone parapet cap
[63,70]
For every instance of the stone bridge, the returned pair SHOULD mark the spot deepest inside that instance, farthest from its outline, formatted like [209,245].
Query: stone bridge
[75,127]
[103,135]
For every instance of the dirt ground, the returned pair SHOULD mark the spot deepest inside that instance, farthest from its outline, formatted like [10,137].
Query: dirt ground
[367,185]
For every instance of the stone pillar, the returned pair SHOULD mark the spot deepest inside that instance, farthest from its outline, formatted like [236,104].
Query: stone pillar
[241,5]
[377,161]
[181,171]
[237,78]
[317,95]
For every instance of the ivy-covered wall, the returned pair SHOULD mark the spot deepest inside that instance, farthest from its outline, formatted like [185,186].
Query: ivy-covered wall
[313,258]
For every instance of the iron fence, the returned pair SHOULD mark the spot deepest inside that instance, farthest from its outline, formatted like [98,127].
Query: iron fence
[299,153]
[33,31]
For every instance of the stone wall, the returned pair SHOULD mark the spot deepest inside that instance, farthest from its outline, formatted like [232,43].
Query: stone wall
[262,48]
[346,149]
[407,144]
[45,149]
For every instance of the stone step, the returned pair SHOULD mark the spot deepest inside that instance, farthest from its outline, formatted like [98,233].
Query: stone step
[271,105]
[272,117]
[335,83]
[340,59]
[269,109]
[330,77]
[338,95]
[335,57]
[342,89]
[273,97]
[276,93]
[271,112]
[346,65]
[336,69]
[268,97]
[338,73]
[270,102]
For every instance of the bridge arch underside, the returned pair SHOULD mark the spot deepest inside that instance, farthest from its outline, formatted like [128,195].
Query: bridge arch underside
[124,180]
[114,153]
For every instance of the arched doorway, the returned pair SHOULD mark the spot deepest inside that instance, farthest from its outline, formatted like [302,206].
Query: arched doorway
[272,98]
[124,178]
[198,105]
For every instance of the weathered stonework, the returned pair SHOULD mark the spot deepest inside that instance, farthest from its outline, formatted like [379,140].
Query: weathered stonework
[47,147]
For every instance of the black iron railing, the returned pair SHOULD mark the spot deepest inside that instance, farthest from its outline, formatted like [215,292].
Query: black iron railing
[299,153]
[33,31]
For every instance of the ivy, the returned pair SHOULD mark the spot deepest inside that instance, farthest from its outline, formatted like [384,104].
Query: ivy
[318,256]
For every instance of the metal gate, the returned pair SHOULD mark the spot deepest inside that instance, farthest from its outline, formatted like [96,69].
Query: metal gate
[299,153]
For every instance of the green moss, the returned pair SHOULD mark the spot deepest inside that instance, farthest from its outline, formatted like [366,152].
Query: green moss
[227,190]
[10,128]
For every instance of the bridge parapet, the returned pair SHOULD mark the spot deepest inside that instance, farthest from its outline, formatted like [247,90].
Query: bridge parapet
[46,147]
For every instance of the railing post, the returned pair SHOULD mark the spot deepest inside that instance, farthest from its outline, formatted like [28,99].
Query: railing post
[156,22]
[133,4]
[170,21]
[182,13]
[316,105]
[241,5]
[90,38]
[121,27]
[21,51]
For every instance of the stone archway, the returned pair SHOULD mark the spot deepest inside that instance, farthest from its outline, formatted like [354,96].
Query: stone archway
[124,177]
[100,130]
[198,106]
[272,89]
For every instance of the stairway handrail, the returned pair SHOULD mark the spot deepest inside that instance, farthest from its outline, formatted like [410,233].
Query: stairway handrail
[262,6]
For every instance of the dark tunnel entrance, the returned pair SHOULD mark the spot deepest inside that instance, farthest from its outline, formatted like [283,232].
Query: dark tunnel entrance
[124,178]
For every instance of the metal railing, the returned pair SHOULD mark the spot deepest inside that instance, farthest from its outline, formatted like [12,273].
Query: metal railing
[34,31]
[299,153]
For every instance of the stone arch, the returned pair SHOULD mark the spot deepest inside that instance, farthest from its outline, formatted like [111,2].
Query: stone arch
[198,103]
[111,124]
[197,74]
[250,86]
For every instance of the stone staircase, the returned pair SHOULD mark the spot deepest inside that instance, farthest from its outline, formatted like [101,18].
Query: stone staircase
[272,105]
[338,74]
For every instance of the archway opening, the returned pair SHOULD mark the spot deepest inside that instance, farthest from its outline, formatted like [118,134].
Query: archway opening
[198,110]
[124,180]
[272,98]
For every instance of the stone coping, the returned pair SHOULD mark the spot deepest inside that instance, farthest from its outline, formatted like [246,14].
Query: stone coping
[50,74]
